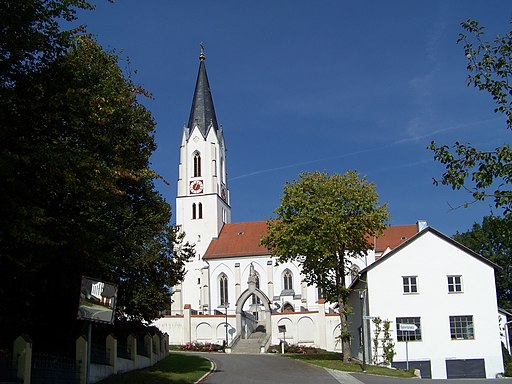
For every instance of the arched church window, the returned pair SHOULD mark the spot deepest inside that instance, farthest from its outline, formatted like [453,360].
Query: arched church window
[256,299]
[200,211]
[354,271]
[197,164]
[223,289]
[287,307]
[194,213]
[287,280]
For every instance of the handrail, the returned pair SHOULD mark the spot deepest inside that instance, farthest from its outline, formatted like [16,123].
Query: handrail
[265,343]
[234,340]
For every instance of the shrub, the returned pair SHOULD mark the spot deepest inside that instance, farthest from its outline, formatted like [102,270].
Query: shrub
[508,370]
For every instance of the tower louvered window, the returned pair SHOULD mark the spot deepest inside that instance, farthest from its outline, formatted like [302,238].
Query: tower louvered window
[197,164]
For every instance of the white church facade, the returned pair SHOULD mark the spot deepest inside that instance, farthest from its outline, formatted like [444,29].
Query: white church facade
[235,292]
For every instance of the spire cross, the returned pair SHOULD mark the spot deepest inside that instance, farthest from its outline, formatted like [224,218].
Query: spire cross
[201,55]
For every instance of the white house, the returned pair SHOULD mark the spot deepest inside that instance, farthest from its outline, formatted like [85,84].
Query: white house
[234,286]
[448,292]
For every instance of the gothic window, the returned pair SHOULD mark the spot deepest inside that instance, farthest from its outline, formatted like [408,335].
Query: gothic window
[200,211]
[287,280]
[223,289]
[194,213]
[197,164]
[256,299]
[354,272]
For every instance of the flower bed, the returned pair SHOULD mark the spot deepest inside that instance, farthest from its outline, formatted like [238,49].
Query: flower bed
[202,347]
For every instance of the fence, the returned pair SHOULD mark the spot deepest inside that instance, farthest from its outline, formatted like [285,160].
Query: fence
[26,367]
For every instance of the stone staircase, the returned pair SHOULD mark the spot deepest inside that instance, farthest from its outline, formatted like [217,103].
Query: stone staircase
[250,345]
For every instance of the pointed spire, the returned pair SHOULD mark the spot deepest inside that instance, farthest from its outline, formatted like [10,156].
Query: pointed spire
[202,113]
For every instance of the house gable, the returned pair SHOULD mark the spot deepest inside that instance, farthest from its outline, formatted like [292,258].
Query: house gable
[419,235]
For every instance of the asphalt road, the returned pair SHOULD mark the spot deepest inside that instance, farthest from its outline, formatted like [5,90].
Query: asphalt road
[249,369]
[259,369]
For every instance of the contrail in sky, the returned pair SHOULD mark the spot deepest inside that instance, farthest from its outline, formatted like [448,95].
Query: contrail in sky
[395,143]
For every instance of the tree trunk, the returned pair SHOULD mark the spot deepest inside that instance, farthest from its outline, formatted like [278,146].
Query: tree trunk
[342,307]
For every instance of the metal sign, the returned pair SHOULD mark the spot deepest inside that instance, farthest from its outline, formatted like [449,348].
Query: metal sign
[281,328]
[407,327]
[97,300]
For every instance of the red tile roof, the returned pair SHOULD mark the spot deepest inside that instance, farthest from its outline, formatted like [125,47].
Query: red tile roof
[395,235]
[238,240]
[243,239]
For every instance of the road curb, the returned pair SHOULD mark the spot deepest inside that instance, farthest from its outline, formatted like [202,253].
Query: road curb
[212,369]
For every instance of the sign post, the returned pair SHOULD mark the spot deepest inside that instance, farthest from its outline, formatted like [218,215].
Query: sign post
[407,328]
[97,303]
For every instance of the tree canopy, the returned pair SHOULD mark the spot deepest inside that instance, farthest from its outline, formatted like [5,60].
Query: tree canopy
[322,221]
[493,240]
[77,194]
[485,173]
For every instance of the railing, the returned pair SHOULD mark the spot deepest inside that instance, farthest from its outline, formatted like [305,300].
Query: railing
[54,369]
[249,324]
[122,349]
[235,340]
[265,344]
[7,371]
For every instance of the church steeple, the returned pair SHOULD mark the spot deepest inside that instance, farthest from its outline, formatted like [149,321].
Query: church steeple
[202,200]
[202,113]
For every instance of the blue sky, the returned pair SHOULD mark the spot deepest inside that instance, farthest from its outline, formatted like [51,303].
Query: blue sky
[324,85]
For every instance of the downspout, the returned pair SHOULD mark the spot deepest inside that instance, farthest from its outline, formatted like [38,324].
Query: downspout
[209,288]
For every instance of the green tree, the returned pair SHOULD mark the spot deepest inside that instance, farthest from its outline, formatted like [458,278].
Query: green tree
[327,219]
[77,195]
[485,174]
[493,240]
[31,36]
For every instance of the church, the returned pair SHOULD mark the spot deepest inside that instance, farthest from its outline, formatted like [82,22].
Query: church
[235,293]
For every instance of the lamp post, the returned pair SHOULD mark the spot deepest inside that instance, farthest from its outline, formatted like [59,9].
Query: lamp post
[362,297]
[226,305]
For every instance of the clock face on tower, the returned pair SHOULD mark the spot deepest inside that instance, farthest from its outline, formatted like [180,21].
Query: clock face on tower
[196,186]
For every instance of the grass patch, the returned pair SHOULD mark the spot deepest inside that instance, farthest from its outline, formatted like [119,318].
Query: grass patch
[333,360]
[176,368]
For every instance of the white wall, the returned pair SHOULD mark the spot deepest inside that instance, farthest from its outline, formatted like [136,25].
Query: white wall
[432,259]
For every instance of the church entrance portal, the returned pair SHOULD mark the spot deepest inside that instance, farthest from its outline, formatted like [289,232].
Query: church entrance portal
[257,317]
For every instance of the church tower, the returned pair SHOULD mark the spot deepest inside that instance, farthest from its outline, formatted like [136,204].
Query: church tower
[202,201]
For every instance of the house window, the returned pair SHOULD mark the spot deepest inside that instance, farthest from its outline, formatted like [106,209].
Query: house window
[408,335]
[410,284]
[287,280]
[223,289]
[200,211]
[454,284]
[461,328]
[197,164]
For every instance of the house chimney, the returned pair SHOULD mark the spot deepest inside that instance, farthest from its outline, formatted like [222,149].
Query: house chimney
[422,224]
